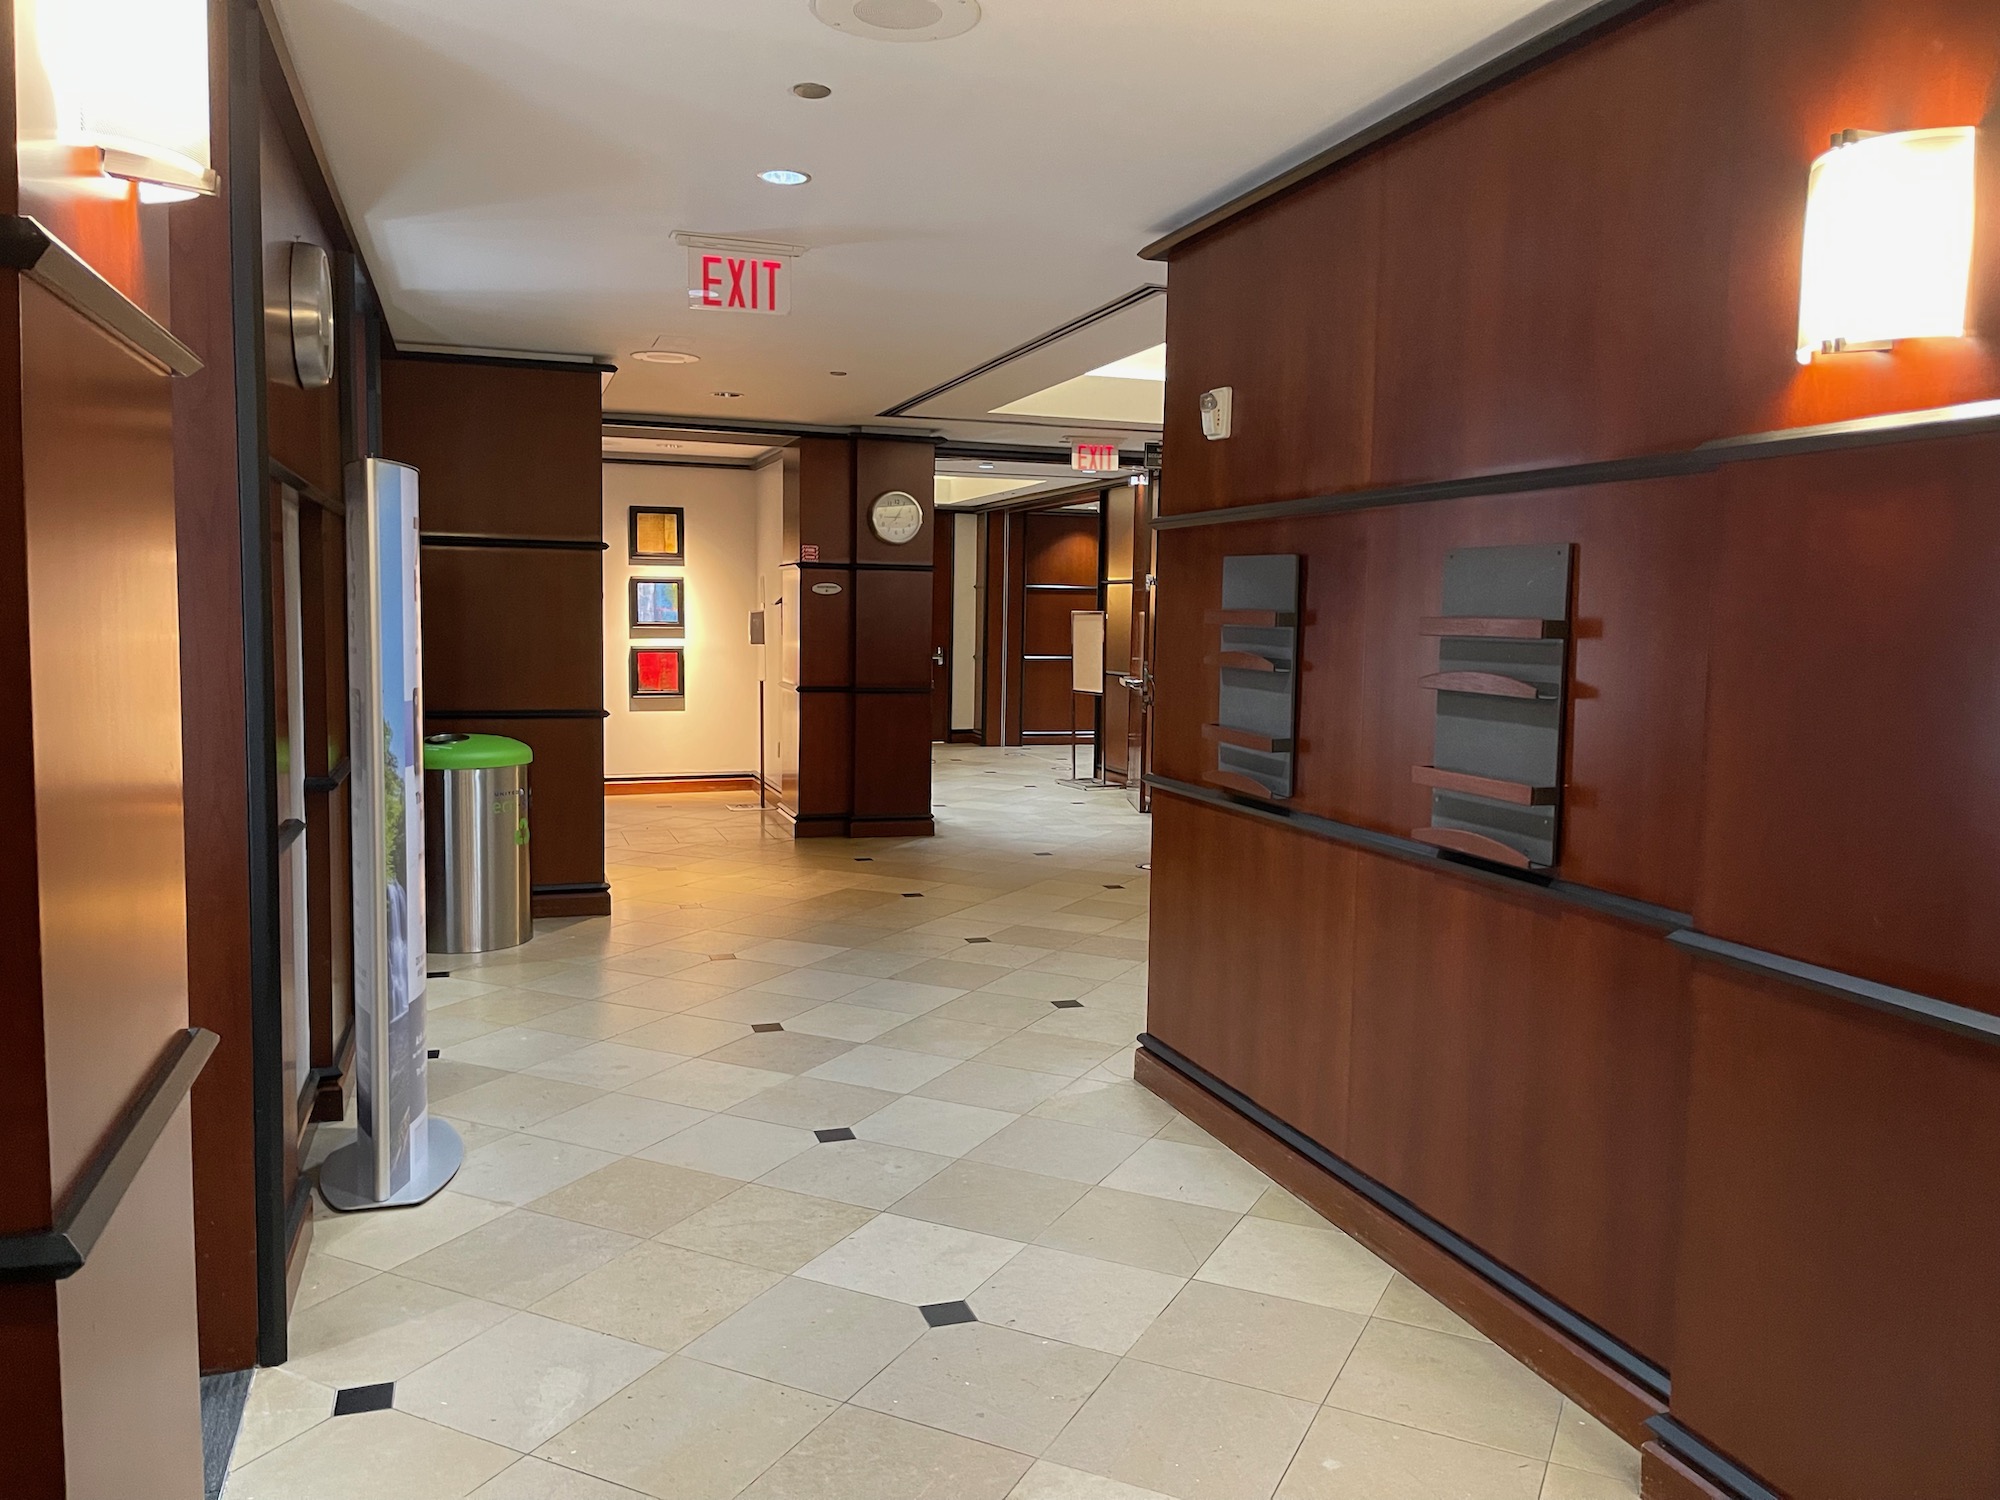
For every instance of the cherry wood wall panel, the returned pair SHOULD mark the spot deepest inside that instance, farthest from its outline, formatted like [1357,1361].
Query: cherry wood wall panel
[1840,1322]
[1304,381]
[503,450]
[1644,558]
[1780,726]
[512,453]
[512,628]
[1853,816]
[1519,1072]
[1228,896]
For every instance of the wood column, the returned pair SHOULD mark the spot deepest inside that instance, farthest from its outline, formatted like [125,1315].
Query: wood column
[510,475]
[859,621]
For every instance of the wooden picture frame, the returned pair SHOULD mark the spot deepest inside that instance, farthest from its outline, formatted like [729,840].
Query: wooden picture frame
[657,534]
[659,672]
[657,605]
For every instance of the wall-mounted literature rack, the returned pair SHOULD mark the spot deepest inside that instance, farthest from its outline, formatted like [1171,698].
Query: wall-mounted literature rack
[1502,684]
[1257,658]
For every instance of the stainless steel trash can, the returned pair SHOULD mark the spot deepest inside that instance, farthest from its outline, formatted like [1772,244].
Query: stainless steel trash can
[476,843]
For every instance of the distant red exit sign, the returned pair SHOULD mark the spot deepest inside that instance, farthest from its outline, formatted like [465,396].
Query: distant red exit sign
[1094,458]
[721,280]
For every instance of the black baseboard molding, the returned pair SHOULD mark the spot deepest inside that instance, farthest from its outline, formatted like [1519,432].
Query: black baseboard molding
[1718,1469]
[1634,1366]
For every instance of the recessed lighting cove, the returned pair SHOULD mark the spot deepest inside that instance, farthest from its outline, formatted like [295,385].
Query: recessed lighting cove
[785,177]
[899,20]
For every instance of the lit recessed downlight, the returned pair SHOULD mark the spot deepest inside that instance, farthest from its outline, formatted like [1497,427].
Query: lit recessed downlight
[665,357]
[812,91]
[785,177]
[986,466]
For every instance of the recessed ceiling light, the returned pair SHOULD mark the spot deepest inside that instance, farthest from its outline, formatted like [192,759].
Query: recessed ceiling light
[730,395]
[986,466]
[840,373]
[785,177]
[899,20]
[811,90]
[665,357]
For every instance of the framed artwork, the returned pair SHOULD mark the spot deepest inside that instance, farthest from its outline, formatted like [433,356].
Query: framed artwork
[657,604]
[658,535]
[658,672]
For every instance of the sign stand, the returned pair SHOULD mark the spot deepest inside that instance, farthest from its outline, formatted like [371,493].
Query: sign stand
[1086,652]
[400,1155]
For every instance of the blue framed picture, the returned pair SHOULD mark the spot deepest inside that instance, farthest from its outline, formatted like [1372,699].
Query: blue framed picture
[658,604]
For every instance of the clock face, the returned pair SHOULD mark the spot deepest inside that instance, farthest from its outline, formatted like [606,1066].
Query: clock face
[896,517]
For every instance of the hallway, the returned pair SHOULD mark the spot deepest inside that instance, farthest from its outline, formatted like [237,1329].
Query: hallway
[816,1175]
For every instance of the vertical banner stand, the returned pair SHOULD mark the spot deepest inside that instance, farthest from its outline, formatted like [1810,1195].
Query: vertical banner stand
[400,1155]
[1086,659]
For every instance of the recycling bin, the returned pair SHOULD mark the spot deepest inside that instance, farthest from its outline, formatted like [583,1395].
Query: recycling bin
[476,807]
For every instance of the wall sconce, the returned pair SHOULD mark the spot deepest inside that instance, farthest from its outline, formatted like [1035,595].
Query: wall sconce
[123,92]
[1888,252]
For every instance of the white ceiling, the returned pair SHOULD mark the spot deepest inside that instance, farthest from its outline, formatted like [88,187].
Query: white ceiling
[515,170]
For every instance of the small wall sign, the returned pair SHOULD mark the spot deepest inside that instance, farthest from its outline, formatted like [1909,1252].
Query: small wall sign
[826,588]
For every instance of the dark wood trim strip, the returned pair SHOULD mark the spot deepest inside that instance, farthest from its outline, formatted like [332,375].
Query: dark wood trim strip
[1972,419]
[1926,1010]
[582,365]
[1382,1221]
[59,1252]
[583,888]
[1510,64]
[653,786]
[27,247]
[333,781]
[1604,903]
[446,715]
[1664,1477]
[1041,341]
[1518,793]
[513,543]
[1707,1463]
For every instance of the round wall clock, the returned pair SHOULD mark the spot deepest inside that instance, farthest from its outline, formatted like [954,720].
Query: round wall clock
[896,517]
[312,316]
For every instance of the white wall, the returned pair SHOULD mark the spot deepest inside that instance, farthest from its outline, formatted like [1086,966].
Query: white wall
[713,730]
[968,596]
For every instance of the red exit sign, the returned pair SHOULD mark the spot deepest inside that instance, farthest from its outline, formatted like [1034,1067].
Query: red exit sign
[1094,458]
[730,280]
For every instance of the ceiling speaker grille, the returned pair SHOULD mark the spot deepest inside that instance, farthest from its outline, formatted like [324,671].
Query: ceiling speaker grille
[899,20]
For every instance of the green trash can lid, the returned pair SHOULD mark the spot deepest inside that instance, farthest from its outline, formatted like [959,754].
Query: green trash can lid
[473,752]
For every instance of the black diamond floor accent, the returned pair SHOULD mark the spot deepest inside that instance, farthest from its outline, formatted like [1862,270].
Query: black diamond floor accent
[359,1398]
[435,1054]
[913,895]
[767,1026]
[944,1314]
[979,940]
[1067,1004]
[438,974]
[1114,887]
[1045,854]
[864,859]
[828,1137]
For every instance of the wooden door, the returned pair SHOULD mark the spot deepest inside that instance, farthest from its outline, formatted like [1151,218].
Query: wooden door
[1059,575]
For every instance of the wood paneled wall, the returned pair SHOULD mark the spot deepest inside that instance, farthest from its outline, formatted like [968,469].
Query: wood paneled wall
[1776,1195]
[861,709]
[510,476]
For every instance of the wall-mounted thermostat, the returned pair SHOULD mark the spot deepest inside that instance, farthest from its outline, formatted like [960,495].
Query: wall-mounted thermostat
[1217,409]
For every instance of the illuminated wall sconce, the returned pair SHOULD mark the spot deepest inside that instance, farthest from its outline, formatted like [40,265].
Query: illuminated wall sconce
[121,93]
[1888,256]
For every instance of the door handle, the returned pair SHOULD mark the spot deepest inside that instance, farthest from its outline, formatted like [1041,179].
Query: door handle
[937,657]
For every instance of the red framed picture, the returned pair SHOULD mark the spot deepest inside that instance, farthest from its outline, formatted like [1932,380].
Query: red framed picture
[659,672]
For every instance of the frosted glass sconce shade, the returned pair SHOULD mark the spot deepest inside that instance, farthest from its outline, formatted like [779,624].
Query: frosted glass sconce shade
[1888,255]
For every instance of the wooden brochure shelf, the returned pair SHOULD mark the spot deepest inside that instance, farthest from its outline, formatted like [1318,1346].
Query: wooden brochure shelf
[1245,661]
[1485,684]
[1461,842]
[1517,792]
[1496,627]
[1249,786]
[1256,619]
[1246,739]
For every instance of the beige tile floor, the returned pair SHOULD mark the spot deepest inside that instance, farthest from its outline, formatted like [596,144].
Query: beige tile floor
[652,1278]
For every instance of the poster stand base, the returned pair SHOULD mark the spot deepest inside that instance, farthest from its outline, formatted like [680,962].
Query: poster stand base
[343,1174]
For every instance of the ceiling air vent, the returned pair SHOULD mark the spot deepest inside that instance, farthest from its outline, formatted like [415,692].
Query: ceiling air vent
[899,20]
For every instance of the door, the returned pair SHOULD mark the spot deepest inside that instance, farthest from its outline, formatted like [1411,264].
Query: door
[1059,576]
[1138,682]
[943,535]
